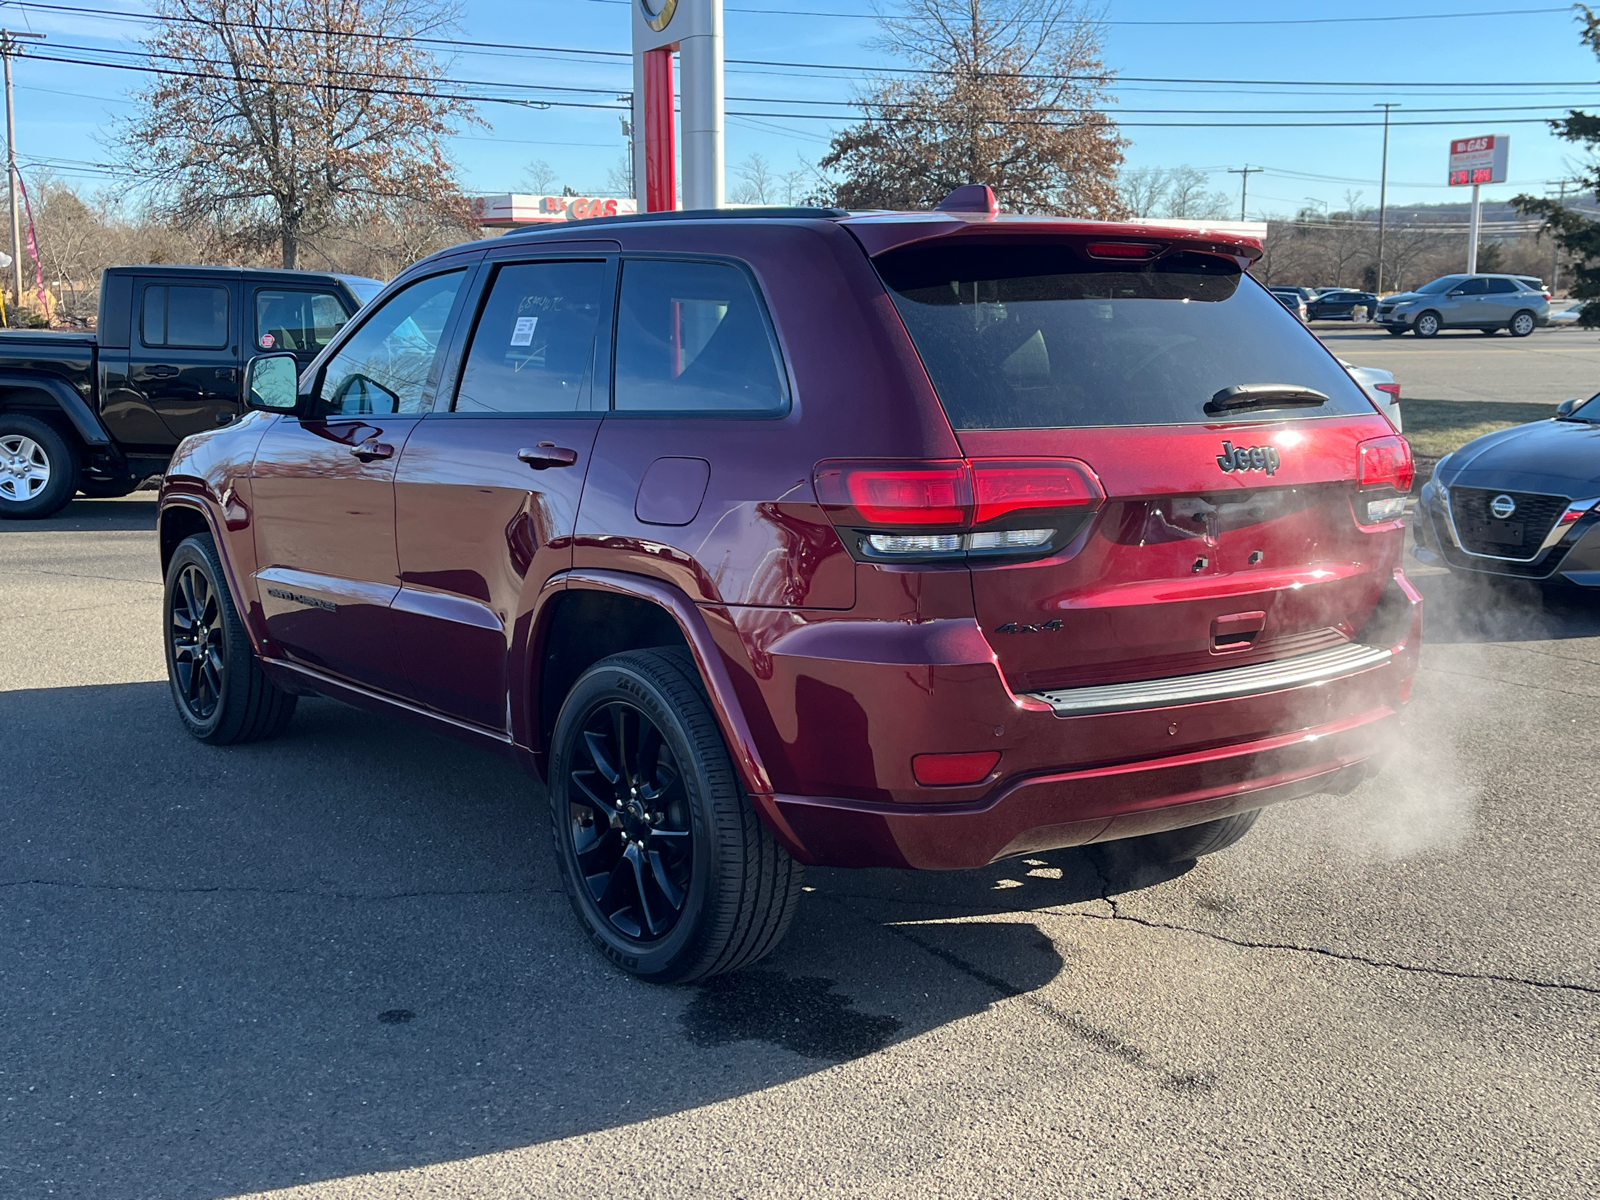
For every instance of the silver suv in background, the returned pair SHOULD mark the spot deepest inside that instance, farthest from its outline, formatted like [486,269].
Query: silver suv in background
[1484,302]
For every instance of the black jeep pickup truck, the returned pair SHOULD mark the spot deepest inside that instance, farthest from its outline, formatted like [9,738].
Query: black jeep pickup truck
[100,412]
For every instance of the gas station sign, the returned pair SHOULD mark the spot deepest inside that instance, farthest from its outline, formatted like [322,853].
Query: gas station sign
[1479,160]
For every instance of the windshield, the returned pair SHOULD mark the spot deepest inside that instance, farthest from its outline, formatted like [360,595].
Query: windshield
[1029,336]
[1442,284]
[364,288]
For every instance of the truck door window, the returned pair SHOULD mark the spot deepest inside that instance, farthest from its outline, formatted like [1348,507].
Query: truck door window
[386,365]
[533,344]
[187,317]
[303,322]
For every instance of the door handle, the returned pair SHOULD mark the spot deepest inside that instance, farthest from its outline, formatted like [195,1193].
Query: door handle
[367,451]
[163,371]
[547,454]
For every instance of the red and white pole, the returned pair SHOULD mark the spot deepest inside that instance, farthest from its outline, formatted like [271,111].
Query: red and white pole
[692,30]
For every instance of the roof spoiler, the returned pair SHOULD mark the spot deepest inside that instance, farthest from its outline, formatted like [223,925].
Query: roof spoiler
[971,198]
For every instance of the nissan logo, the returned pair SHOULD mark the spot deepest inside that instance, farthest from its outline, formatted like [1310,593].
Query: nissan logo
[1502,506]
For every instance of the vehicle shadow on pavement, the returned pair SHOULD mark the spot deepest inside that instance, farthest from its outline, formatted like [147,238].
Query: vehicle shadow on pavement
[82,515]
[1464,609]
[347,951]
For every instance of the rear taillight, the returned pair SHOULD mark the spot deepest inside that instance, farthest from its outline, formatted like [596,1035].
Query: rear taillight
[1392,390]
[1383,465]
[951,508]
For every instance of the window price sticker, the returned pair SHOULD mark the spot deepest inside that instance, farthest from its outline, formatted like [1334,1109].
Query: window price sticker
[522,335]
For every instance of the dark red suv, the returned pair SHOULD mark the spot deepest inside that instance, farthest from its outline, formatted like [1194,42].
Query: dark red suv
[772,537]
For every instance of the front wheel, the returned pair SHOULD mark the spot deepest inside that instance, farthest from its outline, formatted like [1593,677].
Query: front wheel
[1523,324]
[1427,325]
[1395,330]
[665,862]
[1181,845]
[221,693]
[38,468]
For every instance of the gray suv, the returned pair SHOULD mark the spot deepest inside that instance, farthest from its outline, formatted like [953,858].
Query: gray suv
[1485,302]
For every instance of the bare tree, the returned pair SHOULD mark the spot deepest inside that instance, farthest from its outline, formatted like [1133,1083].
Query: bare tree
[757,183]
[273,119]
[1142,191]
[1013,96]
[539,178]
[619,179]
[1188,197]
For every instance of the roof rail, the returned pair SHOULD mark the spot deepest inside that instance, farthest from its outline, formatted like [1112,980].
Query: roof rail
[775,212]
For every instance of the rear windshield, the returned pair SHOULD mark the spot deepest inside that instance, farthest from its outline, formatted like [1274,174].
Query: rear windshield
[1027,336]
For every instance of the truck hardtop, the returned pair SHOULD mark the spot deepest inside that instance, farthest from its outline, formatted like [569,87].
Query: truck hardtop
[100,412]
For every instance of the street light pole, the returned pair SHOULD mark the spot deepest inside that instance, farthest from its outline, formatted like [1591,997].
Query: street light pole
[1383,189]
[11,44]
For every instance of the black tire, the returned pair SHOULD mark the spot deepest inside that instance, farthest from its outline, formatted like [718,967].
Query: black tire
[1490,331]
[39,468]
[1523,324]
[1180,845]
[1395,330]
[673,821]
[222,695]
[1427,324]
[107,489]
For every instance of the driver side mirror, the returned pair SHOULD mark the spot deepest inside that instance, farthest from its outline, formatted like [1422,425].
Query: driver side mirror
[1566,406]
[271,383]
[1459,292]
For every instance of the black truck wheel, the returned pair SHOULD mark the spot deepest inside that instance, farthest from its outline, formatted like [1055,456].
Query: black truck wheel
[1180,845]
[667,865]
[221,693]
[39,468]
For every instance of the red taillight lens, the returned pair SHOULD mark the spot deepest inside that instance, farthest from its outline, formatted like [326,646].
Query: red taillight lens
[899,494]
[948,770]
[1385,462]
[1017,486]
[1122,250]
[1390,389]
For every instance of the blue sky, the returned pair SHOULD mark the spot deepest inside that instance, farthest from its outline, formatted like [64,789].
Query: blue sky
[63,109]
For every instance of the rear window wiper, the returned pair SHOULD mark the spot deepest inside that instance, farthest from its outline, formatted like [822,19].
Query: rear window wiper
[1264,395]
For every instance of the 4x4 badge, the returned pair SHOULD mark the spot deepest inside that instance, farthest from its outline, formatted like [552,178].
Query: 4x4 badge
[1018,627]
[1248,458]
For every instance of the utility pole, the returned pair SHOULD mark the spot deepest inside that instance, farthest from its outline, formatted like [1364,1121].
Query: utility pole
[1383,189]
[1473,222]
[11,43]
[1244,174]
[1555,246]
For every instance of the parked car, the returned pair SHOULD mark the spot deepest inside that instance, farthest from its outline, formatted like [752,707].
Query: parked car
[1521,502]
[1294,299]
[1342,304]
[773,537]
[1488,303]
[1381,386]
[99,413]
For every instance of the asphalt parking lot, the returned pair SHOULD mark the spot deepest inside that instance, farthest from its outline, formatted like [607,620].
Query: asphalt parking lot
[339,964]
[1548,366]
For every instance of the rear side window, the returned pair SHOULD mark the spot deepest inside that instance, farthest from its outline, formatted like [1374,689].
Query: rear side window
[692,337]
[304,322]
[1499,287]
[533,344]
[193,318]
[1021,336]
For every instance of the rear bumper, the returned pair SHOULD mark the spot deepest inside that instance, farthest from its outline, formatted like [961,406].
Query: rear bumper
[1071,776]
[1075,808]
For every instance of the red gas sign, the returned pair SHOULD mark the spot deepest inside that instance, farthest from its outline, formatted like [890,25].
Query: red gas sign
[1479,160]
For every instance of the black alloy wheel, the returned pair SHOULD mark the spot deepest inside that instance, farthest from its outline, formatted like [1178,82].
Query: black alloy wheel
[628,820]
[221,693]
[664,859]
[194,631]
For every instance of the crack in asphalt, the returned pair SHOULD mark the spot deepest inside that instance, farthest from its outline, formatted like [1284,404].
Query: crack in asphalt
[80,575]
[1510,683]
[222,889]
[1327,952]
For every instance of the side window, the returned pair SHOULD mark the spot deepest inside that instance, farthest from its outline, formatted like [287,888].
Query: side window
[193,318]
[1473,287]
[533,344]
[304,322]
[692,337]
[1500,287]
[384,367]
